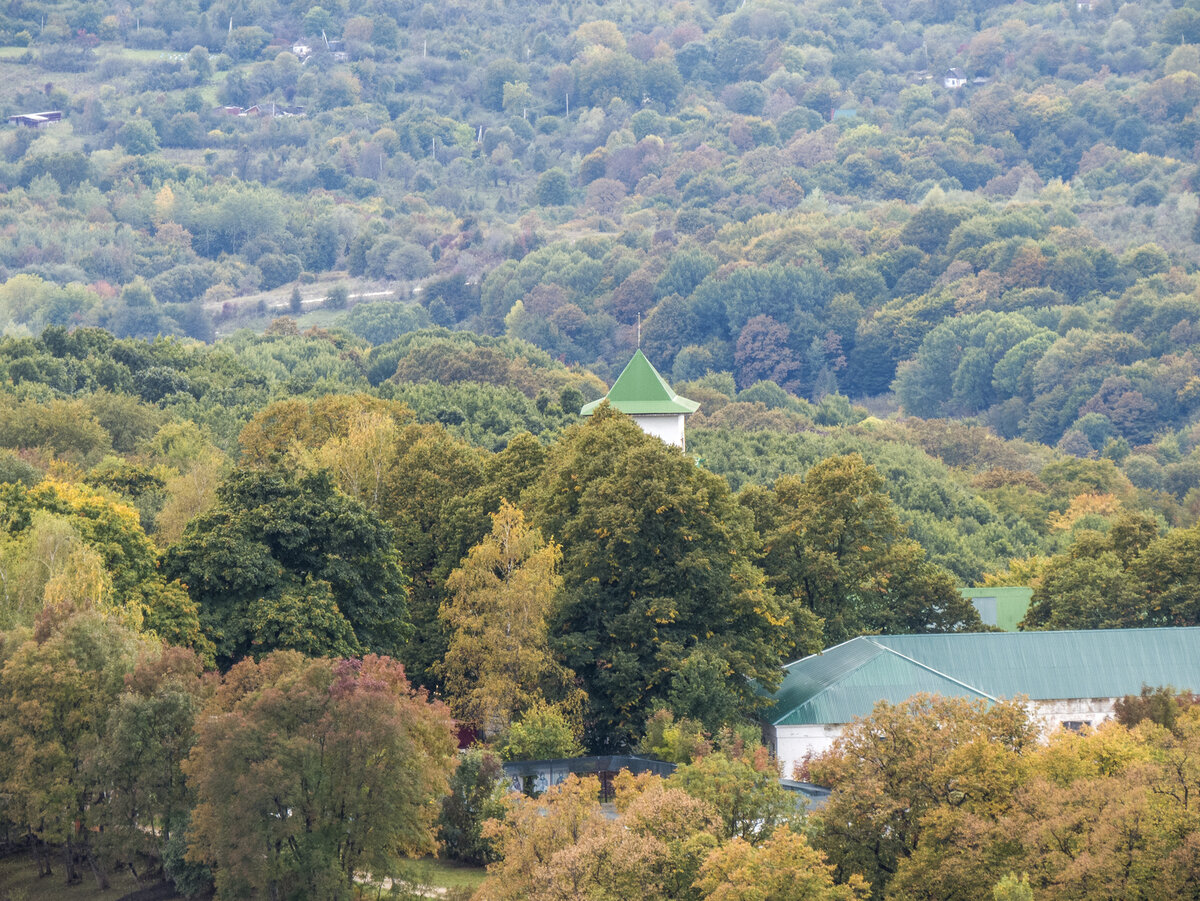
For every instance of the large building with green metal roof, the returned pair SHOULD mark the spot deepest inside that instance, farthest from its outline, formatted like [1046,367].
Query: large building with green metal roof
[1071,679]
[644,395]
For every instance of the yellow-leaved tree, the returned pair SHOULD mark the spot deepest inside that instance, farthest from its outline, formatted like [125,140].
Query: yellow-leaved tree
[502,597]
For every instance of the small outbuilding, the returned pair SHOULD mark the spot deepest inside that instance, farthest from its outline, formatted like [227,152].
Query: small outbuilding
[643,394]
[954,79]
[37,120]
[1071,679]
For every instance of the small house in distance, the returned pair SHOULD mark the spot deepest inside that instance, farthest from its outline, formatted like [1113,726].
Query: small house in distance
[954,79]
[641,393]
[1071,679]
[37,120]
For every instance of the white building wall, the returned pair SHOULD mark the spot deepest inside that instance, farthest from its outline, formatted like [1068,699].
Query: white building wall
[667,426]
[1073,712]
[794,743]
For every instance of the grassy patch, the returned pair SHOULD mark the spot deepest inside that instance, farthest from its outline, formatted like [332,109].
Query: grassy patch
[433,872]
[19,882]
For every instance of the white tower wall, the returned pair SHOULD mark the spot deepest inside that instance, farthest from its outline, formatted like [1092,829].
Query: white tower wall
[667,426]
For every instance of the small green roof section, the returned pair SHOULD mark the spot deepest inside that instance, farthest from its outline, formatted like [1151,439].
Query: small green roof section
[639,389]
[1003,606]
[845,681]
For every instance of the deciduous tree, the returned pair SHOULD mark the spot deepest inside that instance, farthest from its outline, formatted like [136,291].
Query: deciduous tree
[655,571]
[783,868]
[888,771]
[502,599]
[287,560]
[309,772]
[834,542]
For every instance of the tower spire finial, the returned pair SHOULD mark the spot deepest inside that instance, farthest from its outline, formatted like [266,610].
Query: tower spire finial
[639,330]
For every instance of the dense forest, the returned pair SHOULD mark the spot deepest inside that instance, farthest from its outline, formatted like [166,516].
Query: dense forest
[299,304]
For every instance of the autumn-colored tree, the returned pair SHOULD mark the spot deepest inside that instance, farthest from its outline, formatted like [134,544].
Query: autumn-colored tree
[503,597]
[741,783]
[49,556]
[111,529]
[309,772]
[1085,822]
[58,686]
[533,830]
[1162,705]
[562,846]
[888,770]
[959,853]
[785,867]
[309,423]
[189,493]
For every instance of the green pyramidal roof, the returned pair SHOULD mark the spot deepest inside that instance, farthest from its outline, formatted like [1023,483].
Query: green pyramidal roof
[640,389]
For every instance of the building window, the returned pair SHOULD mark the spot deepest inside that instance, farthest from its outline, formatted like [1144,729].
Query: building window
[1076,725]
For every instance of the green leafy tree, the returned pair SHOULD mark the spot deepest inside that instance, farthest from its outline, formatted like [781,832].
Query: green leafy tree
[1127,577]
[148,735]
[655,572]
[477,791]
[138,137]
[284,560]
[544,732]
[834,542]
[741,782]
[553,188]
[426,484]
[675,741]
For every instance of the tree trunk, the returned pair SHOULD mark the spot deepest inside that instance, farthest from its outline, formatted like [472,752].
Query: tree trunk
[41,855]
[101,876]
[69,862]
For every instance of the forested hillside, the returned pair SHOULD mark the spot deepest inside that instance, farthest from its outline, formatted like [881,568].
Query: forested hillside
[780,191]
[299,307]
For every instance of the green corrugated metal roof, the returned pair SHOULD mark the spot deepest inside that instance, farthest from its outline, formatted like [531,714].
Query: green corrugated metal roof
[1007,607]
[886,675]
[640,389]
[845,681]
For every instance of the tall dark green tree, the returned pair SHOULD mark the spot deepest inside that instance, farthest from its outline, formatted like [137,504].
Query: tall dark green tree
[658,581]
[287,561]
